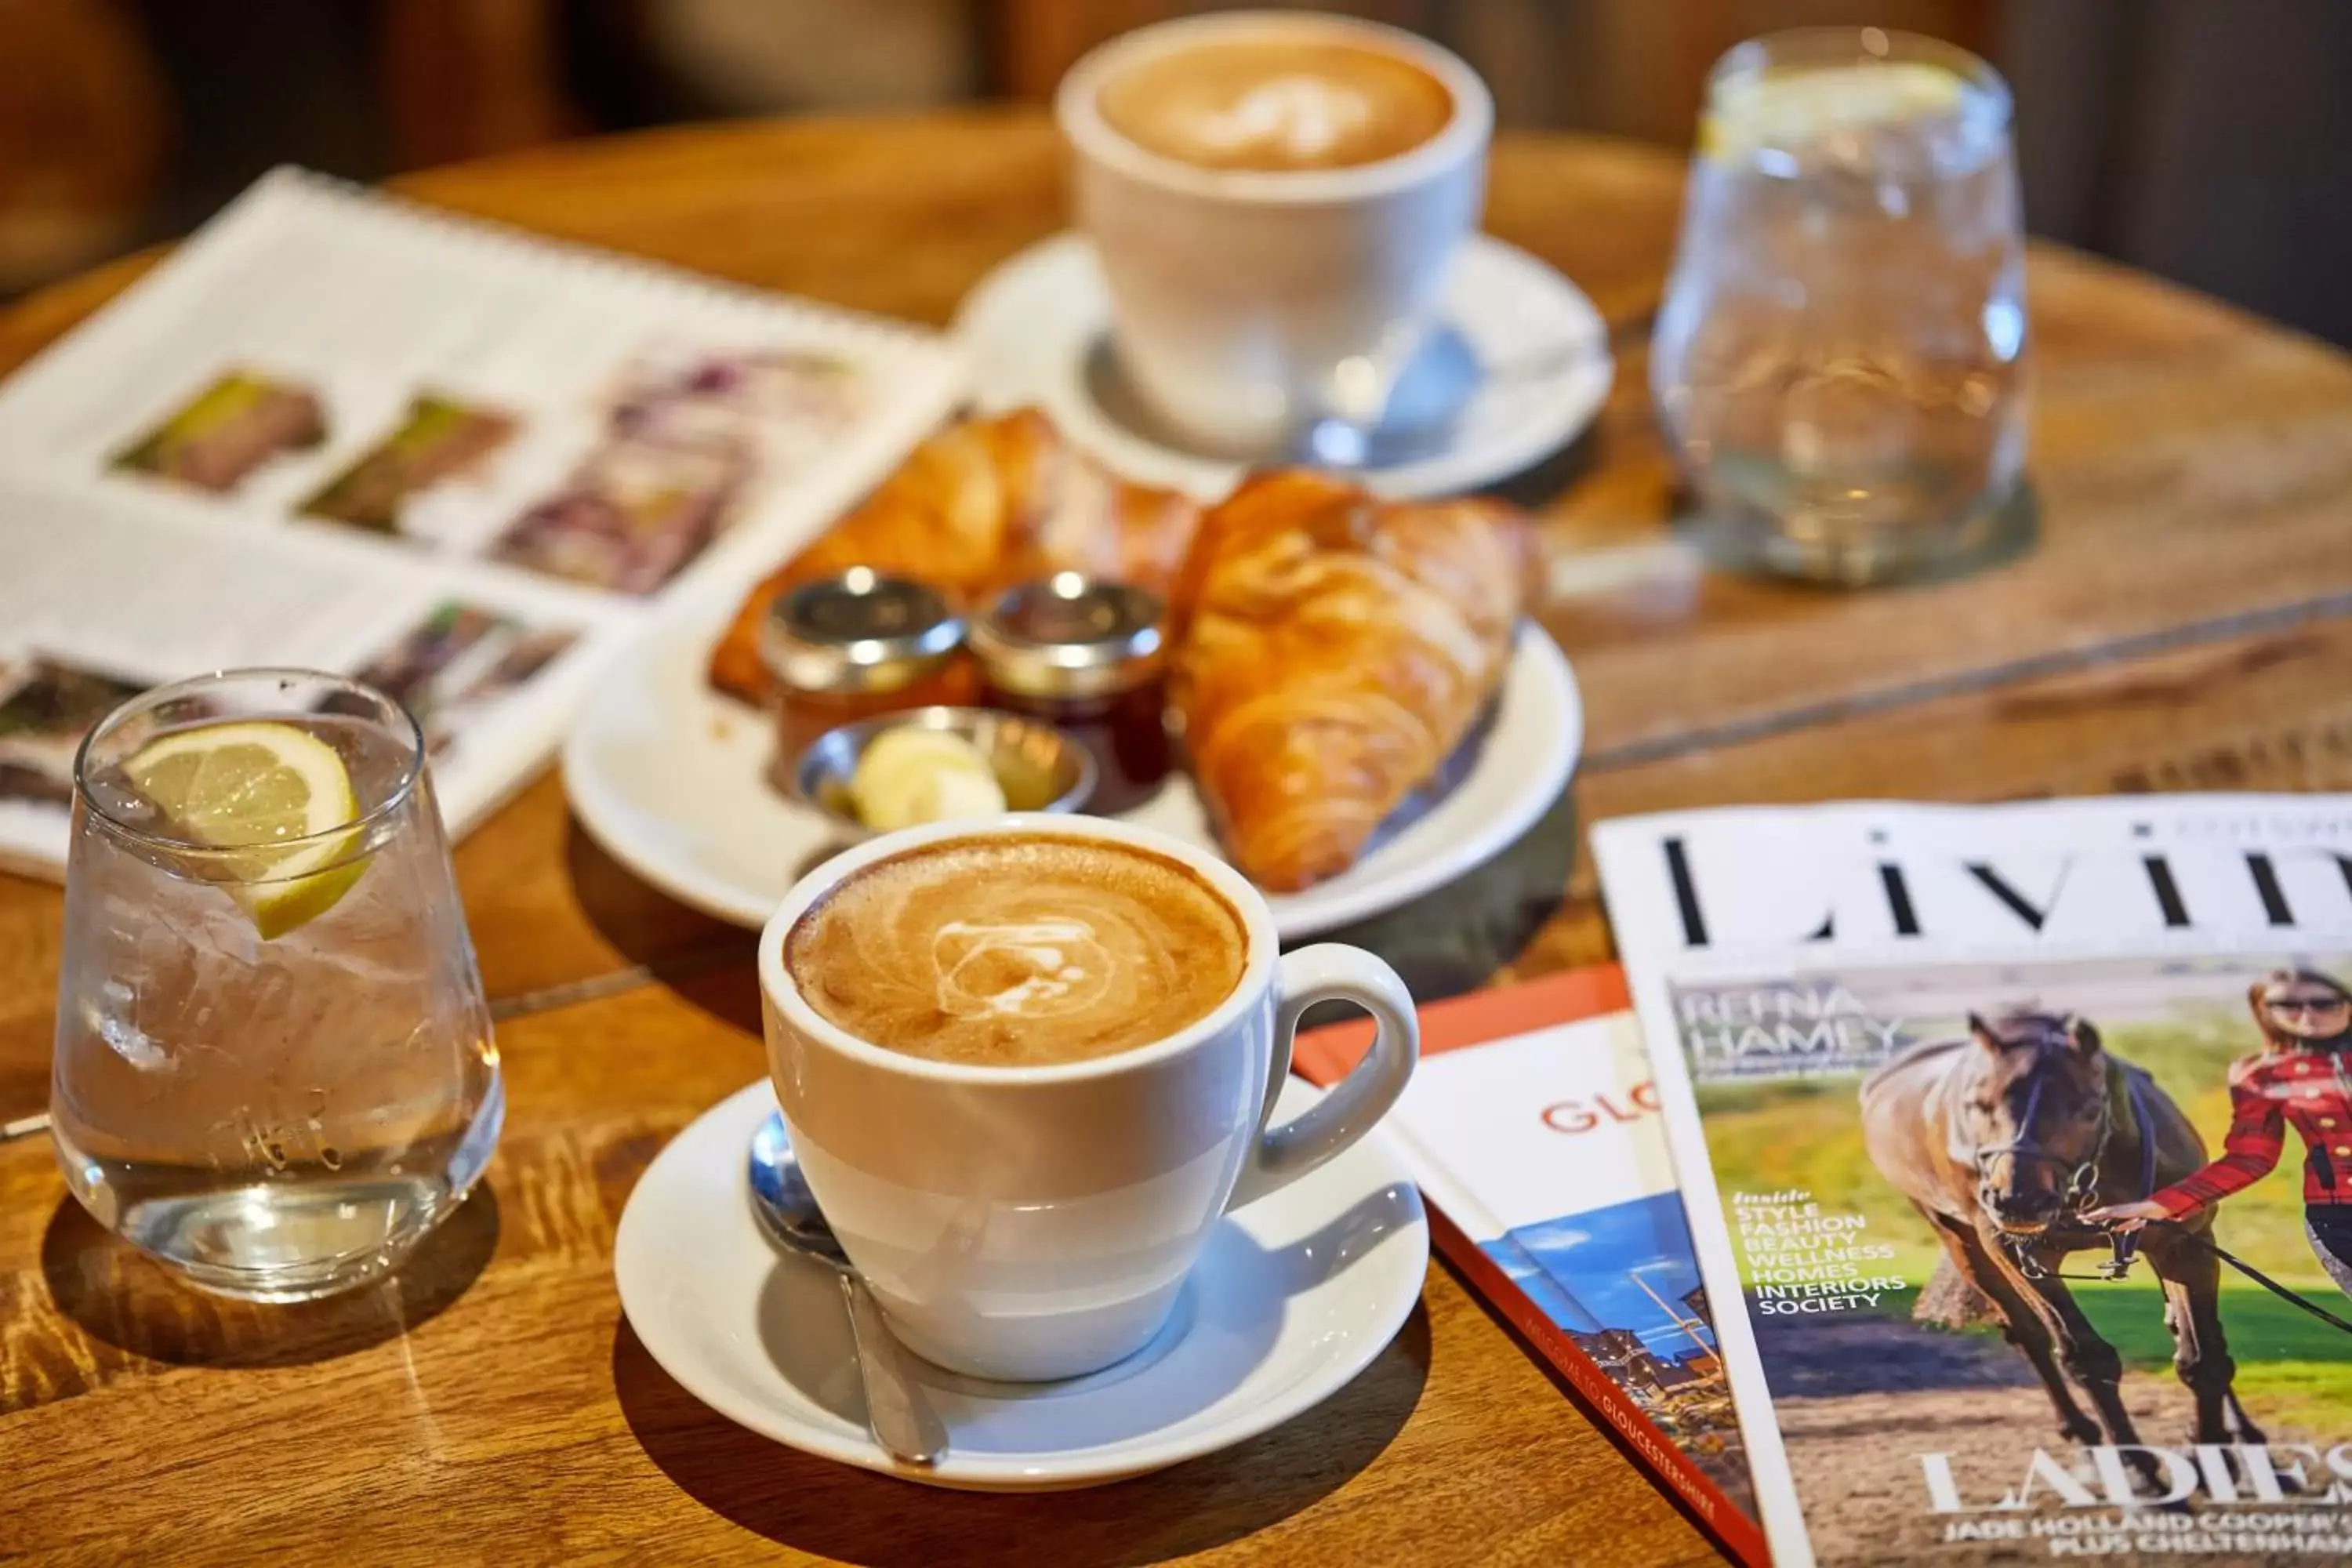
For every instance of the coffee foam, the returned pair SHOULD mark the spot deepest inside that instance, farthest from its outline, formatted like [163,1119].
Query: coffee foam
[1017,950]
[1276,104]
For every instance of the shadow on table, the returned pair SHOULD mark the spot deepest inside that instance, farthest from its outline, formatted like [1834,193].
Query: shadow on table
[1541,483]
[839,1511]
[646,925]
[1452,938]
[118,1294]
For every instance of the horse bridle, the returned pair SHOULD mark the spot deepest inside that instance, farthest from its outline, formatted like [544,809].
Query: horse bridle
[2082,1179]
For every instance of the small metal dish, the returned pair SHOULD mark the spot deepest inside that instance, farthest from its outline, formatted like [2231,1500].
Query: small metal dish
[1038,767]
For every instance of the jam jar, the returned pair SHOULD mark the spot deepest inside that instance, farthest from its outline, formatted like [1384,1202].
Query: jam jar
[855,646]
[1084,656]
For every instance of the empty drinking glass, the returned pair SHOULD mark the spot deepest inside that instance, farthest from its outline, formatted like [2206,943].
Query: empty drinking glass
[274,1065]
[1839,361]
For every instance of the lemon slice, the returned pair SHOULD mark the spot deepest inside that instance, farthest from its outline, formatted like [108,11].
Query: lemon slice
[1796,108]
[257,785]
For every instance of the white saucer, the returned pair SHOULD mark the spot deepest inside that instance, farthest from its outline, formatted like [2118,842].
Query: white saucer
[1028,329]
[1295,1295]
[671,778]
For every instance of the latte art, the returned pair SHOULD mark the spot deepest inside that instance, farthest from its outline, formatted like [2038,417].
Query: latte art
[1017,950]
[1019,969]
[1304,116]
[1275,103]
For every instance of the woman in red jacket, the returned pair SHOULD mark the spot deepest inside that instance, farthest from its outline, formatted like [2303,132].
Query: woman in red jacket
[2303,1077]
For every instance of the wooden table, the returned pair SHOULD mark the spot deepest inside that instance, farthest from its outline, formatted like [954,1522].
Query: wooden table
[2184,622]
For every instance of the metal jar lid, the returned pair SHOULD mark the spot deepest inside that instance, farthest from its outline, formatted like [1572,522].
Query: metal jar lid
[858,632]
[1069,636]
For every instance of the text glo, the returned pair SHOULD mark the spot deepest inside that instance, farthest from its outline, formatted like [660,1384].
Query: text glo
[1573,1116]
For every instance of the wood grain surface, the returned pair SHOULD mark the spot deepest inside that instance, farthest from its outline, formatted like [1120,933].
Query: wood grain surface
[2183,619]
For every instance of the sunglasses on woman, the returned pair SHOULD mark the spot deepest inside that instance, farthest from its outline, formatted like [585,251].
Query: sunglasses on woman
[2306,1005]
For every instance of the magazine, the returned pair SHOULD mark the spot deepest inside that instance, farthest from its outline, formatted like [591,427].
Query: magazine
[1532,1129]
[339,431]
[2017,1147]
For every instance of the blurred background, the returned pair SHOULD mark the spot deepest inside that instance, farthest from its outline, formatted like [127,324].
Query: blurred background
[2204,140]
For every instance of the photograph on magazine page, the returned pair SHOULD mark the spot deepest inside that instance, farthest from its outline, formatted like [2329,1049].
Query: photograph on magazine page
[2046,1258]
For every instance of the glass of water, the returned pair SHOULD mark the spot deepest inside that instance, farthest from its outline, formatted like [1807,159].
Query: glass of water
[1839,361]
[274,1066]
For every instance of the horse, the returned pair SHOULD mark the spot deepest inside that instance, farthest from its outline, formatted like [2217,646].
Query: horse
[2001,1139]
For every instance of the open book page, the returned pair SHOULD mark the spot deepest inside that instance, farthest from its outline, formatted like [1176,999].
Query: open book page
[106,594]
[1975,1109]
[1532,1126]
[438,454]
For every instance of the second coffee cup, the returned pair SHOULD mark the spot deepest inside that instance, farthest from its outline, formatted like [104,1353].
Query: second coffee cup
[1027,1063]
[1275,198]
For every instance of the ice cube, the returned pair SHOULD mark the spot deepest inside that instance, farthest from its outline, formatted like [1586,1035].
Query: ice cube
[109,1016]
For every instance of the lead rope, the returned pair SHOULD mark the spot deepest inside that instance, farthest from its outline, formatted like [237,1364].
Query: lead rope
[2264,1280]
[2127,1244]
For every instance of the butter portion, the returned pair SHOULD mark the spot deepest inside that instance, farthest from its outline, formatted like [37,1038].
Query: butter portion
[910,776]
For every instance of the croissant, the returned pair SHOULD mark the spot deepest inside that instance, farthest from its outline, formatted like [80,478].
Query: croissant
[1330,650]
[983,504]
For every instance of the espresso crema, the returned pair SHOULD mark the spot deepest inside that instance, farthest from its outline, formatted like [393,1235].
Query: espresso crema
[1275,103]
[1017,950]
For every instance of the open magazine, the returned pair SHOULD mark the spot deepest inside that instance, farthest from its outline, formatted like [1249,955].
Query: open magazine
[1531,1127]
[339,431]
[2017,1147]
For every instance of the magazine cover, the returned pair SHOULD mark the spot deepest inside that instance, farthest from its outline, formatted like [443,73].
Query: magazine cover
[1532,1128]
[2018,1154]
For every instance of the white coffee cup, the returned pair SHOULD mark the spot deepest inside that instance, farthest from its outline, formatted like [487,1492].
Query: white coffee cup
[1037,1222]
[1251,305]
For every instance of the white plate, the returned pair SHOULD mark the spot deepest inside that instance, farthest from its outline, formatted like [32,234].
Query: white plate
[1294,1296]
[1029,327]
[670,777]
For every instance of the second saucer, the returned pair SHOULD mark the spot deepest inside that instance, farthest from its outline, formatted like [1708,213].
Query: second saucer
[1523,353]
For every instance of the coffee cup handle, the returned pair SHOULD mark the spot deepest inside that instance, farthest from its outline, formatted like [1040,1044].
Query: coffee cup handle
[1330,973]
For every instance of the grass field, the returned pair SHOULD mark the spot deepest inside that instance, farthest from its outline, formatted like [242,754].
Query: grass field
[2293,1369]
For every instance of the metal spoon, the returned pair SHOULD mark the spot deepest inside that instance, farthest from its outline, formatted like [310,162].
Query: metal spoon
[1416,418]
[1411,420]
[895,1411]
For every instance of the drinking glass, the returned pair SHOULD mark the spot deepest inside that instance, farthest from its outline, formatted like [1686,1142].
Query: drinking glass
[1839,361]
[273,1116]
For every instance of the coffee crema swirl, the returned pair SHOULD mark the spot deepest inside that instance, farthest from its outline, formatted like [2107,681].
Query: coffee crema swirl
[1275,103]
[1017,950]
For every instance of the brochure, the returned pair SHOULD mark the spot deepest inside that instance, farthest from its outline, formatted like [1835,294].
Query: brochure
[340,431]
[1532,1129]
